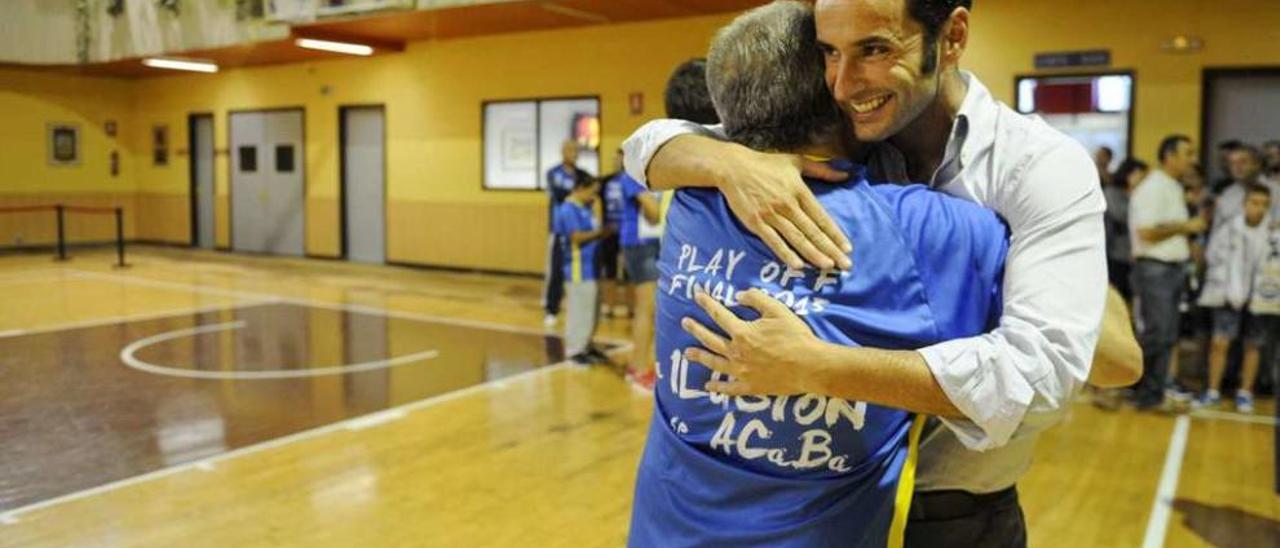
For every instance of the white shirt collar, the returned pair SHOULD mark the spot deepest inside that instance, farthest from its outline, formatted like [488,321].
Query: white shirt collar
[972,131]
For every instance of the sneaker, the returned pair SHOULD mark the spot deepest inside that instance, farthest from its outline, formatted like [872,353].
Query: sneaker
[582,359]
[549,321]
[1244,401]
[596,355]
[1177,394]
[642,382]
[1210,398]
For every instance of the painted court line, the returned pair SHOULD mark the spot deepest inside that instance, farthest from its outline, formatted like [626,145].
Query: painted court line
[1162,508]
[385,416]
[129,357]
[348,307]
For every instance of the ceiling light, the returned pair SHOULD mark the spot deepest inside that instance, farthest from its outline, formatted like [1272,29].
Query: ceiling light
[180,64]
[336,47]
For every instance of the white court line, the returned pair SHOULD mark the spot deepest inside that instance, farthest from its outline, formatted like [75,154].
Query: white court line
[131,318]
[1237,417]
[356,423]
[129,357]
[348,307]
[1162,508]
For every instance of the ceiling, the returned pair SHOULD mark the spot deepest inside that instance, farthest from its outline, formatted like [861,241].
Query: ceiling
[391,30]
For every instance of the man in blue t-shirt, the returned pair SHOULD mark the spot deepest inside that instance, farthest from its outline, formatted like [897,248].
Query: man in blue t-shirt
[561,181]
[800,470]
[575,225]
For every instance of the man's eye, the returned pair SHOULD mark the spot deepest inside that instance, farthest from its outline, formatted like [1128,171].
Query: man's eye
[874,50]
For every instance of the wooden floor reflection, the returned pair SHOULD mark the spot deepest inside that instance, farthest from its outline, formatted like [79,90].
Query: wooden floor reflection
[74,417]
[542,456]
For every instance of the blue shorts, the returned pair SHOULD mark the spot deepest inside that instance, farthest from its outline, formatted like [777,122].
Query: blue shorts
[642,263]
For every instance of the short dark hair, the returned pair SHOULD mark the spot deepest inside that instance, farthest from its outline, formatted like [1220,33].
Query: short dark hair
[1250,150]
[932,14]
[1257,188]
[687,97]
[1230,145]
[1170,145]
[584,182]
[1121,177]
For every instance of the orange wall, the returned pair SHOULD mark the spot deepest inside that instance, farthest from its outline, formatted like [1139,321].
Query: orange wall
[437,211]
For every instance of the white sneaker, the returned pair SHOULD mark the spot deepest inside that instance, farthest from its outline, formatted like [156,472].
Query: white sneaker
[549,321]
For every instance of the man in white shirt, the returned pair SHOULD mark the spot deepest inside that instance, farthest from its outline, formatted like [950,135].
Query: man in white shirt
[897,78]
[1244,163]
[1159,226]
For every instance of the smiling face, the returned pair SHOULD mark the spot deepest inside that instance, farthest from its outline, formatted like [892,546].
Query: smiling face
[875,55]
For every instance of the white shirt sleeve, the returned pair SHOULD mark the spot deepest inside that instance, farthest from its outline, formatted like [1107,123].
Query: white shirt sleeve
[639,149]
[1020,377]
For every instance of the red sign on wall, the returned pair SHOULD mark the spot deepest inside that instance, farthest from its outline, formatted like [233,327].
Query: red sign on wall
[636,101]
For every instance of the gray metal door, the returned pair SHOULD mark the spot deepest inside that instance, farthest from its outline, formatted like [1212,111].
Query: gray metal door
[363,183]
[247,190]
[202,155]
[285,208]
[267,196]
[1241,106]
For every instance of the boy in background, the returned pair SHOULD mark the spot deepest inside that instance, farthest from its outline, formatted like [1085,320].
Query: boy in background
[580,234]
[1235,257]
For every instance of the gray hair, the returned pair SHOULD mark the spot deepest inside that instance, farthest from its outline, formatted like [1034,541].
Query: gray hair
[765,75]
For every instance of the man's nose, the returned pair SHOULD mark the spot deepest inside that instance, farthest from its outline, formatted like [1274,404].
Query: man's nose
[848,80]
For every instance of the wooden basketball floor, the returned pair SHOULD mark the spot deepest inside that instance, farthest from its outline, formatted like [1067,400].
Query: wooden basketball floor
[206,399]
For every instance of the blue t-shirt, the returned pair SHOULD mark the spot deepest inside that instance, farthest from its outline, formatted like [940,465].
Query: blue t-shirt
[611,195]
[579,259]
[805,470]
[560,183]
[630,228]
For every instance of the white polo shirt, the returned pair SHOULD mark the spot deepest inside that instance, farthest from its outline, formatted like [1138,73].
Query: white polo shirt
[1158,200]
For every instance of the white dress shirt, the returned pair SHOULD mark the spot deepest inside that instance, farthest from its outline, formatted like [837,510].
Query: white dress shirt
[1018,379]
[1158,200]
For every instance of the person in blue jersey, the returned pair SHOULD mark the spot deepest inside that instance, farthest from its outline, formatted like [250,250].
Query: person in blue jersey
[580,234]
[612,297]
[561,180]
[799,469]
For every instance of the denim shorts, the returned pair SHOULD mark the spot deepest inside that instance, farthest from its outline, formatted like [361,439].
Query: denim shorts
[642,263]
[1227,324]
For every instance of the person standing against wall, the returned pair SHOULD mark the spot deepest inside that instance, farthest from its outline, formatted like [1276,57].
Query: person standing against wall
[561,180]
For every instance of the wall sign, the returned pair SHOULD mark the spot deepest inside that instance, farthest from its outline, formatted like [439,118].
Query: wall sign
[1089,58]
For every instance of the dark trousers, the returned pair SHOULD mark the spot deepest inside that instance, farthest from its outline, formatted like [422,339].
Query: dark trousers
[1158,288]
[553,291]
[1118,273]
[959,519]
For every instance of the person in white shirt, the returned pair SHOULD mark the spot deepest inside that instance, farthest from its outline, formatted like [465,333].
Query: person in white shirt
[898,80]
[1244,163]
[1236,254]
[1159,225]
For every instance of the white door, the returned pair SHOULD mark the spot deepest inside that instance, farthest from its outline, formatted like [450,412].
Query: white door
[267,182]
[364,183]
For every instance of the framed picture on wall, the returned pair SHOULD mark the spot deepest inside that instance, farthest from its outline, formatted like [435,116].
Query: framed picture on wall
[160,145]
[523,139]
[64,144]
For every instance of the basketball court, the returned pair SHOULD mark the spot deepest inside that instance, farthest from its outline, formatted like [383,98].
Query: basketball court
[275,273]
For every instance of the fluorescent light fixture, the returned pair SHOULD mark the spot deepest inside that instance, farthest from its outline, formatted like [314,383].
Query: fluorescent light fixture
[180,64]
[336,47]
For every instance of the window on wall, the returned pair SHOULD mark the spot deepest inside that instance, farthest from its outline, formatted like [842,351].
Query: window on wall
[522,139]
[1094,109]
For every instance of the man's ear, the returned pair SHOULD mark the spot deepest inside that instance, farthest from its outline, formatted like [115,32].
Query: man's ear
[955,37]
